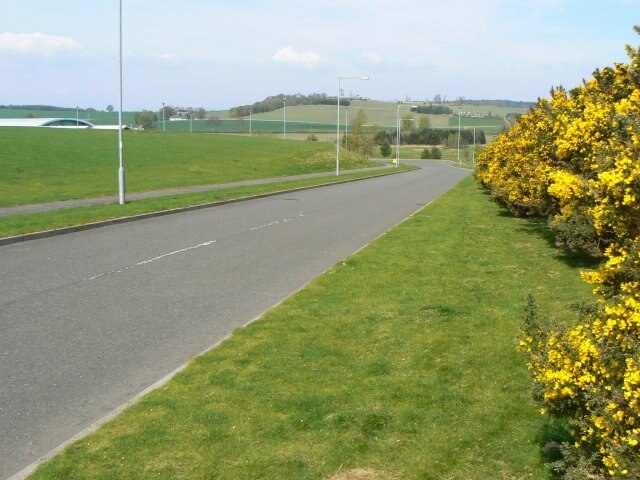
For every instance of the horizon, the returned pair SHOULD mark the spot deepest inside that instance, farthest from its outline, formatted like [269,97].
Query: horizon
[221,54]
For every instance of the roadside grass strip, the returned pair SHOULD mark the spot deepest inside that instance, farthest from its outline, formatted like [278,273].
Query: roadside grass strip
[398,363]
[22,224]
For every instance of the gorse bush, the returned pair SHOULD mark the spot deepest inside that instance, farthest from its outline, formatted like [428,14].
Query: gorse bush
[575,158]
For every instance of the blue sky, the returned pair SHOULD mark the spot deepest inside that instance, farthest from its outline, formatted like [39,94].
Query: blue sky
[221,53]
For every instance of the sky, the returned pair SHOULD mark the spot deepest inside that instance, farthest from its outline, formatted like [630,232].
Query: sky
[218,54]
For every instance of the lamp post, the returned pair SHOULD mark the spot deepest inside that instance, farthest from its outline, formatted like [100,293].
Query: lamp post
[284,120]
[121,185]
[459,162]
[338,122]
[398,135]
[163,127]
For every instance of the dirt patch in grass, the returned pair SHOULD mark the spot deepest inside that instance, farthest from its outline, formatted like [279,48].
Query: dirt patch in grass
[363,474]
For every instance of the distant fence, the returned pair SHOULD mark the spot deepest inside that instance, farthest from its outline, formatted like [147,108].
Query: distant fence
[242,125]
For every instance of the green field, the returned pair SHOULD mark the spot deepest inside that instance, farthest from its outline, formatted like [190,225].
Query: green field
[303,118]
[42,165]
[398,363]
[488,125]
[242,125]
[97,118]
[379,114]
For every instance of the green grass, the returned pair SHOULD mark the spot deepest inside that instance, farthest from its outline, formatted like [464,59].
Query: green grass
[401,360]
[42,165]
[37,222]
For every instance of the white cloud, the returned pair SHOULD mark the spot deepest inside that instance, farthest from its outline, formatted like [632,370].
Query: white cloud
[36,43]
[308,59]
[373,57]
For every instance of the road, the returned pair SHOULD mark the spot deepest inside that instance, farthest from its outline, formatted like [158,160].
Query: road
[91,319]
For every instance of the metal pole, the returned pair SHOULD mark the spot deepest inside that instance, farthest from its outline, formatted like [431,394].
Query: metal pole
[338,121]
[121,185]
[250,126]
[459,162]
[190,121]
[398,136]
[338,133]
[284,124]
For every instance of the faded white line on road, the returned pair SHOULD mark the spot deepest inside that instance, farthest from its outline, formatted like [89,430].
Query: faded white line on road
[276,222]
[154,259]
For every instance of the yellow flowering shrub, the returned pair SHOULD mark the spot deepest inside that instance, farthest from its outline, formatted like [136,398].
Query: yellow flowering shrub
[576,159]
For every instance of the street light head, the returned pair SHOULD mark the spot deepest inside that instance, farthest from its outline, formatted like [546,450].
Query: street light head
[364,78]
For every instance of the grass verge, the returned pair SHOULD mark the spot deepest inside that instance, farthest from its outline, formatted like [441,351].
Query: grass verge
[43,165]
[42,221]
[399,362]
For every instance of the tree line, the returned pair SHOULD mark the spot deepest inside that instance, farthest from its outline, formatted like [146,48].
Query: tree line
[276,102]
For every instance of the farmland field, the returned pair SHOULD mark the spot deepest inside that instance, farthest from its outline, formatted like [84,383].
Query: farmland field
[301,118]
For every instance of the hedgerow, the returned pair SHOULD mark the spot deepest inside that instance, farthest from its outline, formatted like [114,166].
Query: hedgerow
[575,158]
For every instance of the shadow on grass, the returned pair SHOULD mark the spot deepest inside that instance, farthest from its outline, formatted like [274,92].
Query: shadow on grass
[554,433]
[540,227]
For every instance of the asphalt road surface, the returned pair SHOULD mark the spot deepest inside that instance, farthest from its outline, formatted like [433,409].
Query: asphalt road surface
[90,319]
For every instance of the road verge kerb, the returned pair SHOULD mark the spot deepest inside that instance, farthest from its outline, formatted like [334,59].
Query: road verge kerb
[134,218]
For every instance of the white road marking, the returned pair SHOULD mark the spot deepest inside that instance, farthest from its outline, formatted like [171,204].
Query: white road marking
[276,222]
[154,259]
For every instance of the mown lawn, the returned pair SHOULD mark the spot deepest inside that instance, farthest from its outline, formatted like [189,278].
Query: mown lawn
[398,363]
[42,221]
[43,165]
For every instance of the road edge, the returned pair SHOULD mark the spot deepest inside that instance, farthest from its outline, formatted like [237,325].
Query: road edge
[28,470]
[161,213]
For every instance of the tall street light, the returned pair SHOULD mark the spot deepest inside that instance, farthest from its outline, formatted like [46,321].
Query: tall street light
[121,186]
[338,122]
[459,112]
[398,135]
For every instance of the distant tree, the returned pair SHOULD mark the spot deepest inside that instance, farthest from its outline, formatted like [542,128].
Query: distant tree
[145,119]
[408,123]
[433,153]
[423,122]
[359,141]
[168,112]
[437,98]
[385,148]
[200,113]
[312,137]
[109,108]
